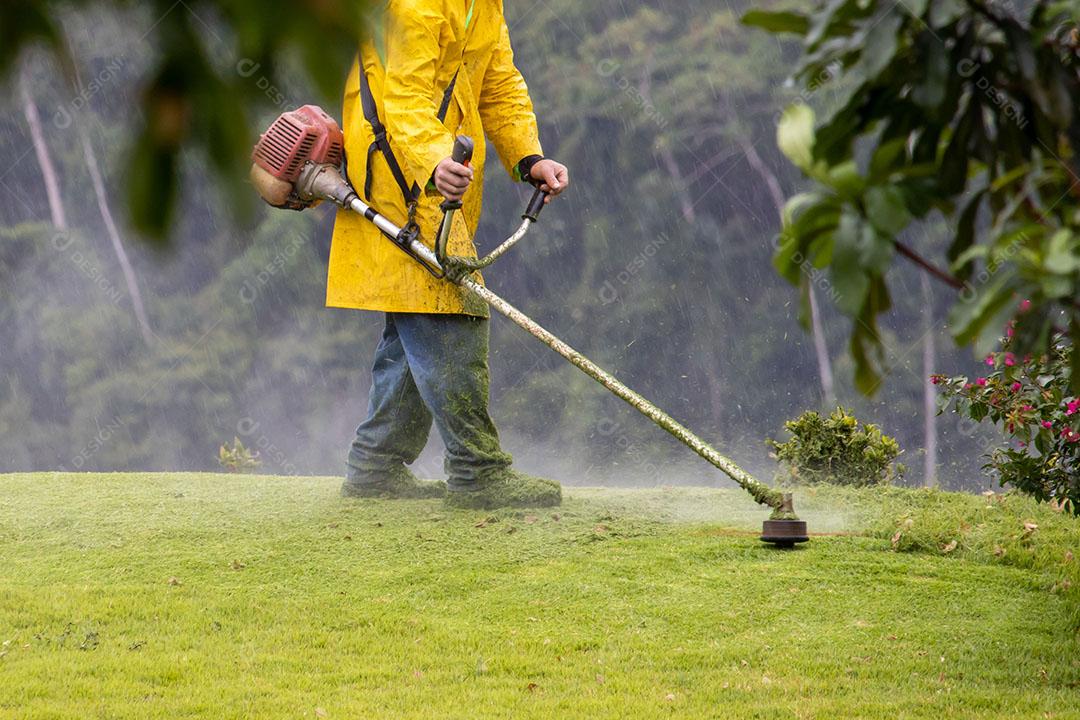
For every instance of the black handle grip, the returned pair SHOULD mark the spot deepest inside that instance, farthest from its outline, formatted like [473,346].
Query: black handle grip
[463,150]
[532,212]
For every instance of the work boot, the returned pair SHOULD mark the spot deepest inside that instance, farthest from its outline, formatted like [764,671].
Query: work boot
[398,483]
[505,488]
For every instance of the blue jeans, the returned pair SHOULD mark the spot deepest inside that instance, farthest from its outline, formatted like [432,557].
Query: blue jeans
[429,367]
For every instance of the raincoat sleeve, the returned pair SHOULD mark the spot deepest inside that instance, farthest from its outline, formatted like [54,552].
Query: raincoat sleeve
[506,110]
[412,53]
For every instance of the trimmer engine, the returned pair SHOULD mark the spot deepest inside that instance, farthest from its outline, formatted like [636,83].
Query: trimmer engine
[298,142]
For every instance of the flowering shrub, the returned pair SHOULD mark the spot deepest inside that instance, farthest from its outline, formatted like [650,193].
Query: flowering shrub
[1030,399]
[837,450]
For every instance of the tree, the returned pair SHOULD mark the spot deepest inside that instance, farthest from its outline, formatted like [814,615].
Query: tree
[957,107]
[821,347]
[930,411]
[44,158]
[130,280]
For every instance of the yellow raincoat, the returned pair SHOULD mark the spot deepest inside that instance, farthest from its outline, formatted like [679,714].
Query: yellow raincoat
[424,42]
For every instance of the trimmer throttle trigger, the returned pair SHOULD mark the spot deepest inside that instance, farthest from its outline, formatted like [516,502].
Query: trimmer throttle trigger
[463,150]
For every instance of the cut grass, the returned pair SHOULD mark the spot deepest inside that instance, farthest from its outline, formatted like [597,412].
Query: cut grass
[191,596]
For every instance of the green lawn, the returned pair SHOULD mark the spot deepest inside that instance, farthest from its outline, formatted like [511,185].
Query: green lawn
[210,596]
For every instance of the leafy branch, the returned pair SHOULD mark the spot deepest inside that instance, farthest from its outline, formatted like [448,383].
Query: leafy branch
[196,96]
[949,109]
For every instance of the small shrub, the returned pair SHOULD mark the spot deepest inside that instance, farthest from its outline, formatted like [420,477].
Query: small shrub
[236,458]
[836,450]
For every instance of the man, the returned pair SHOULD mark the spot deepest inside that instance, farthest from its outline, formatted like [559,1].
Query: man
[434,69]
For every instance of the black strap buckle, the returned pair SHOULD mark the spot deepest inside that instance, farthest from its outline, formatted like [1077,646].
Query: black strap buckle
[404,240]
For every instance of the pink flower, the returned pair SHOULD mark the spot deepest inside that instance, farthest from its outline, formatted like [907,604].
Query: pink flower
[1016,387]
[1010,330]
[968,386]
[935,380]
[981,382]
[1047,424]
[1010,359]
[1026,408]
[990,360]
[1073,407]
[1025,306]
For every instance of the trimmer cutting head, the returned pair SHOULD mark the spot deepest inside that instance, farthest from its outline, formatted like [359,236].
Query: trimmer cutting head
[784,529]
[297,140]
[784,533]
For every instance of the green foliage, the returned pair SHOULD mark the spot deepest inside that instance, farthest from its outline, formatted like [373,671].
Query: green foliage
[236,458]
[956,108]
[836,450]
[213,62]
[1031,400]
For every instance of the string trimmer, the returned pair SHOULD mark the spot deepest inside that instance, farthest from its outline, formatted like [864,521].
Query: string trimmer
[297,163]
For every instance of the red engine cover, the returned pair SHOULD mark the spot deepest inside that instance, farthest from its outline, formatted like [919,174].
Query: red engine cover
[296,138]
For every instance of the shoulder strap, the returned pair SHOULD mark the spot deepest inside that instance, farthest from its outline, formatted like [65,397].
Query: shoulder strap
[382,144]
[447,97]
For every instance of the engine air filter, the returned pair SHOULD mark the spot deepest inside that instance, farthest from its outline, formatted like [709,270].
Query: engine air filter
[297,138]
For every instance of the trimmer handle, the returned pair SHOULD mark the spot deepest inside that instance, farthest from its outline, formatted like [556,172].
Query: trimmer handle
[462,154]
[532,212]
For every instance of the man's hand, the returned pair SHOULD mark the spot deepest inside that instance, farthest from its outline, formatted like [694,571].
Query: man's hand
[452,179]
[552,176]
